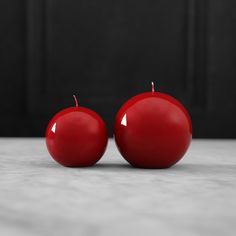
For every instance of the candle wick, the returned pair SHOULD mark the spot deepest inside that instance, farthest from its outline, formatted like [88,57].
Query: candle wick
[76,101]
[153,87]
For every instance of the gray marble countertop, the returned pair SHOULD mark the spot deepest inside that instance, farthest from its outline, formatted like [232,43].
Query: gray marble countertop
[39,197]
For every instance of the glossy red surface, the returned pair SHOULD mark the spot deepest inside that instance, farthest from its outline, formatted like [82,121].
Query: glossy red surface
[76,137]
[152,130]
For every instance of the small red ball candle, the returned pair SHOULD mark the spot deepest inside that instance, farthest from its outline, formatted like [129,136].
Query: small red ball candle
[76,137]
[152,130]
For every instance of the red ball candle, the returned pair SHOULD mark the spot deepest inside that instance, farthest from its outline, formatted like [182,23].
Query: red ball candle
[76,137]
[152,130]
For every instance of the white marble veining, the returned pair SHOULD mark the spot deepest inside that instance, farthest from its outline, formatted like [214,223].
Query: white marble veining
[39,197]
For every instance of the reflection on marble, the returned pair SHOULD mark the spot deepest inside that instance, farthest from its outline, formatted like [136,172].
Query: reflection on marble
[39,197]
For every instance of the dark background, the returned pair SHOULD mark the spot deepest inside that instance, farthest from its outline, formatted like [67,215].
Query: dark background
[106,51]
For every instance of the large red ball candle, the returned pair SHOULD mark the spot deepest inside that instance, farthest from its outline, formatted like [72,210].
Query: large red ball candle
[152,130]
[76,137]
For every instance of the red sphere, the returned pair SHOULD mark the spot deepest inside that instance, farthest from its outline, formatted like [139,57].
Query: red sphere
[152,130]
[76,137]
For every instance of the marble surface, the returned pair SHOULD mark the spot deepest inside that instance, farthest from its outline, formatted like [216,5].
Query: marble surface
[195,197]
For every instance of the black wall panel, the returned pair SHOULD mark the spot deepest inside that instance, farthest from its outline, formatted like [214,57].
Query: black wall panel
[107,51]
